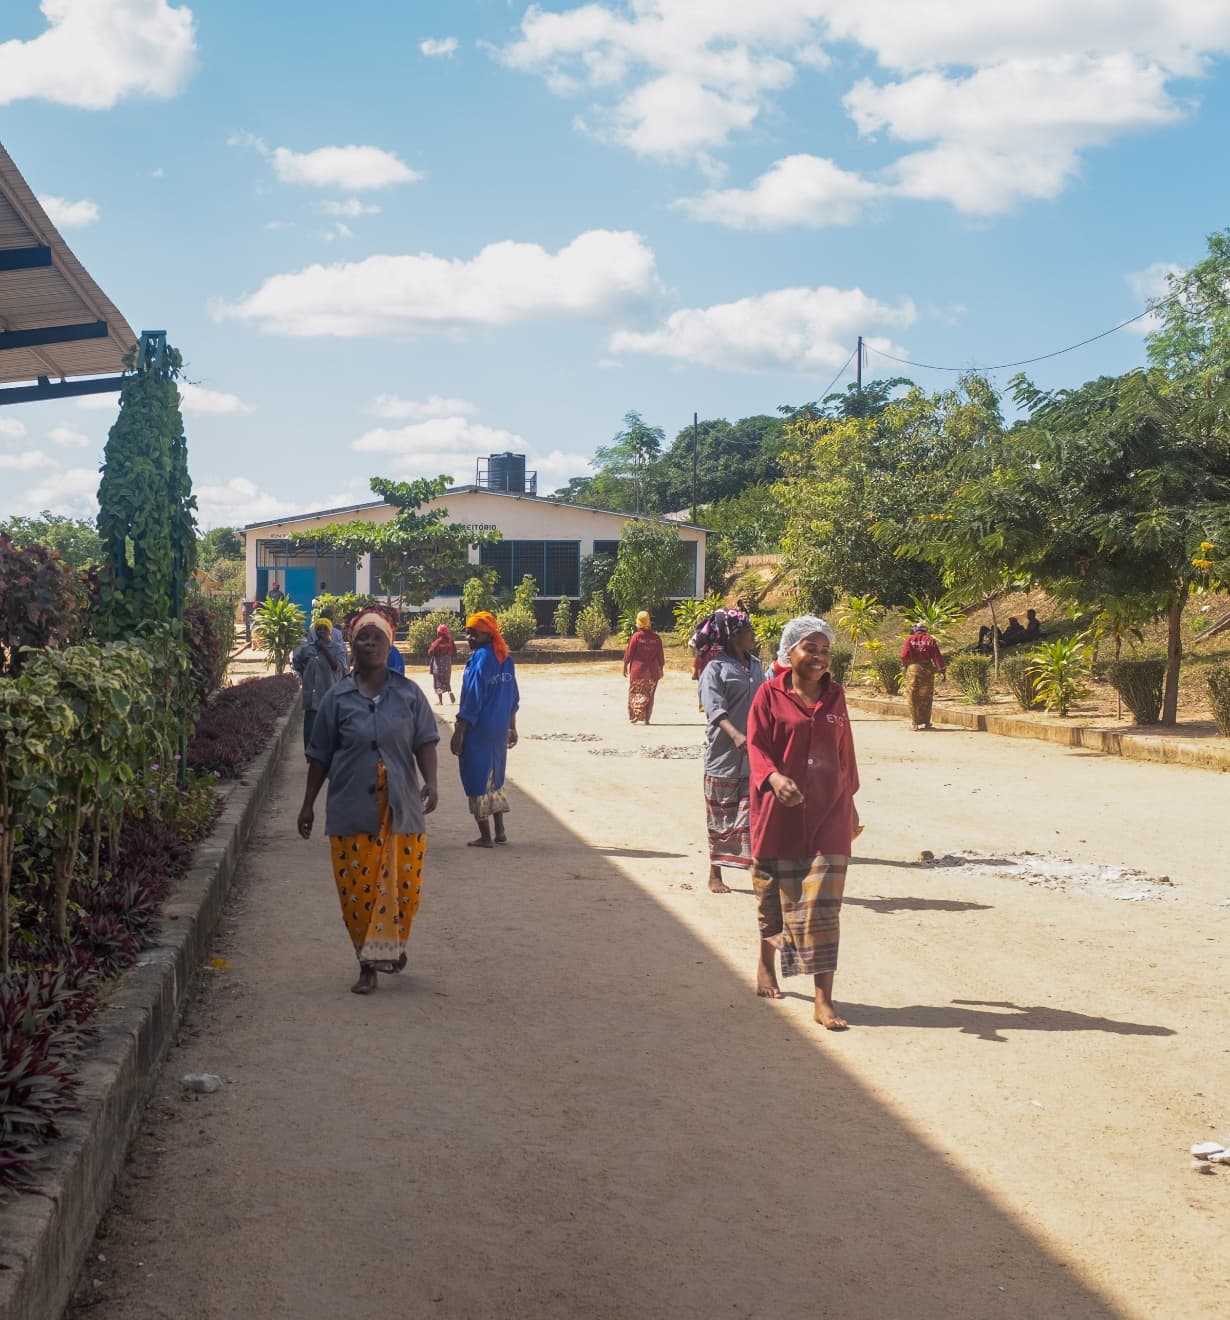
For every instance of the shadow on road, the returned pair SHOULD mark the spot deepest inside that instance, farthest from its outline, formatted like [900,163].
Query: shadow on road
[906,903]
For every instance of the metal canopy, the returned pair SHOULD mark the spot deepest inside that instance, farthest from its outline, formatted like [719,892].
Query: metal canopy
[55,322]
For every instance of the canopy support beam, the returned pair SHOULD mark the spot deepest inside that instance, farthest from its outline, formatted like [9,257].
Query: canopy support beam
[62,389]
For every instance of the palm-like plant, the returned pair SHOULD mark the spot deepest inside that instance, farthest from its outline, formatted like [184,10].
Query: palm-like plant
[939,615]
[860,617]
[1059,669]
[278,625]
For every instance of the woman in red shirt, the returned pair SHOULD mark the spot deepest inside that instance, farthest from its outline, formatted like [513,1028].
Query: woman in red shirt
[644,661]
[440,656]
[920,654]
[803,780]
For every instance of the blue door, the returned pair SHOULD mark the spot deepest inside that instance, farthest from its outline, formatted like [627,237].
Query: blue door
[300,586]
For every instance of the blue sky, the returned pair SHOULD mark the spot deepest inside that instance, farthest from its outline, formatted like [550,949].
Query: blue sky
[389,237]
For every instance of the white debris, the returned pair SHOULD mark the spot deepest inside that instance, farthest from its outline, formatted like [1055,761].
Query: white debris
[1061,874]
[1204,1150]
[202,1083]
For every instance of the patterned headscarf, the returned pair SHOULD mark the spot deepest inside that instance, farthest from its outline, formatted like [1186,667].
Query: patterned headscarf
[718,628]
[443,630]
[794,632]
[485,621]
[325,623]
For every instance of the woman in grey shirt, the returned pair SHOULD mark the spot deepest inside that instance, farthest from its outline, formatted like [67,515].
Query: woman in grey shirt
[727,685]
[372,729]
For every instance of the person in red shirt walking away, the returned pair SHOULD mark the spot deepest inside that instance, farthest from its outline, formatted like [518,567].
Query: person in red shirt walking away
[440,656]
[803,780]
[644,661]
[920,654]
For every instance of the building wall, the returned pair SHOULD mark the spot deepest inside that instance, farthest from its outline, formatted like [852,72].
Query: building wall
[517,518]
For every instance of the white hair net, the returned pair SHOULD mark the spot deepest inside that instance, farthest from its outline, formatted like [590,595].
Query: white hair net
[794,632]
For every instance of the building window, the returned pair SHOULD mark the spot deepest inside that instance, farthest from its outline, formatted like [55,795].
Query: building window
[554,565]
[610,548]
[687,551]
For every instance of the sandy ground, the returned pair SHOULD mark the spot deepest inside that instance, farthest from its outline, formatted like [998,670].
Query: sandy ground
[575,1106]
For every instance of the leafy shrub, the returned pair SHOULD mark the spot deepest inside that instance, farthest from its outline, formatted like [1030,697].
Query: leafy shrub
[1014,670]
[593,626]
[421,631]
[39,596]
[1059,669]
[278,625]
[478,594]
[208,647]
[972,674]
[888,672]
[1140,684]
[839,663]
[596,573]
[625,626]
[688,614]
[525,594]
[518,625]
[237,724]
[562,618]
[1218,680]
[343,606]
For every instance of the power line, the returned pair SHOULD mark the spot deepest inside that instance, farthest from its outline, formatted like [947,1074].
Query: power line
[842,372]
[1042,357]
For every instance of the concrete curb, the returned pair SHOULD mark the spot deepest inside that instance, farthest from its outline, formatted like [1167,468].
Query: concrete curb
[1200,753]
[45,1235]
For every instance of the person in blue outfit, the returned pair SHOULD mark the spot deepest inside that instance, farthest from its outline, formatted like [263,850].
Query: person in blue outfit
[486,726]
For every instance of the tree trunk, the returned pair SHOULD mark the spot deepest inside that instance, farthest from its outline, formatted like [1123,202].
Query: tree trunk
[97,841]
[65,864]
[1174,654]
[994,637]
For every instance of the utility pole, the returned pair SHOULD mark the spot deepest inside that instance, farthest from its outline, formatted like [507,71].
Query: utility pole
[695,427]
[859,352]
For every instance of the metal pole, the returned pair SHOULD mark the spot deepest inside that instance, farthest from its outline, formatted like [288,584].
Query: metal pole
[860,363]
[695,424]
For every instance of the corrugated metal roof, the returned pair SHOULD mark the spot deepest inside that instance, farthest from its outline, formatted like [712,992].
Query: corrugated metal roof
[43,287]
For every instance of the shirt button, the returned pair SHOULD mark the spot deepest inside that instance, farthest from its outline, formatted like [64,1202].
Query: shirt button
[810,761]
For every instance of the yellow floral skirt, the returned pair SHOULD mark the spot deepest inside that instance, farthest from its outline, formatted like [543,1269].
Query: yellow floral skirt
[379,878]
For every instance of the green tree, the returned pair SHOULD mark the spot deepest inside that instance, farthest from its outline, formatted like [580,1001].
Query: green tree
[220,543]
[75,540]
[649,568]
[146,507]
[422,552]
[855,487]
[1122,484]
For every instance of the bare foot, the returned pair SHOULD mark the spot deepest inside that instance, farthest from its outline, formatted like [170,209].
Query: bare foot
[829,1018]
[367,983]
[718,886]
[766,984]
[480,843]
[501,838]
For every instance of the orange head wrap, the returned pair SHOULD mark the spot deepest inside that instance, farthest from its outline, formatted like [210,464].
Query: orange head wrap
[485,621]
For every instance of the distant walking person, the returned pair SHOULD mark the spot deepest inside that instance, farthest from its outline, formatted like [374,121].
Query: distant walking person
[803,780]
[920,654]
[644,662]
[373,729]
[486,726]
[440,655]
[727,684]
[319,666]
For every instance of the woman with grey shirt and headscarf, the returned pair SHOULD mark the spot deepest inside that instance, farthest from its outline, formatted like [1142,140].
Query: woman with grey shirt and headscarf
[803,779]
[727,686]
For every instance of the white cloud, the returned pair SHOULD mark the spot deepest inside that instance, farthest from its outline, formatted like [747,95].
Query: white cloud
[95,53]
[29,461]
[1002,100]
[11,428]
[108,402]
[239,501]
[275,226]
[68,215]
[437,47]
[68,436]
[354,168]
[1148,286]
[786,330]
[73,493]
[453,444]
[415,410]
[597,273]
[350,208]
[339,230]
[798,190]
[198,401]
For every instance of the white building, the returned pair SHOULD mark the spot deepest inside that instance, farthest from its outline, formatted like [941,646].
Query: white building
[539,536]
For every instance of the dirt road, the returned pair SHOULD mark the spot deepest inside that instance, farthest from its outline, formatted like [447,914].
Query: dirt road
[575,1106]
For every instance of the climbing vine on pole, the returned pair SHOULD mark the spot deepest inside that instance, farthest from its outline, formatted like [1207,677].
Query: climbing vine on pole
[145,499]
